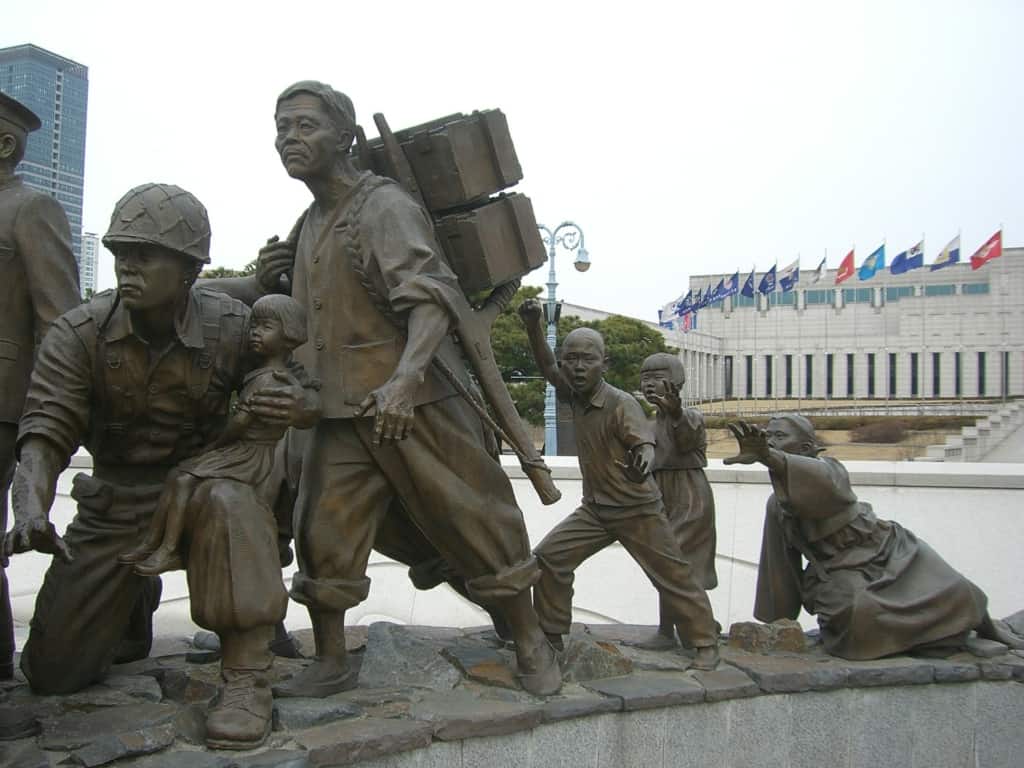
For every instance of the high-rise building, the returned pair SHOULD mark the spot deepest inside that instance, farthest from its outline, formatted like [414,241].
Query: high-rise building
[57,90]
[87,264]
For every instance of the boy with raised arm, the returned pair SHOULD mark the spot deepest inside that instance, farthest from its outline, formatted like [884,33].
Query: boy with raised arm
[621,502]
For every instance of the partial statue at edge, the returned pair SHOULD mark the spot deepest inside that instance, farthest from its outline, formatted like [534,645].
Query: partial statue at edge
[876,589]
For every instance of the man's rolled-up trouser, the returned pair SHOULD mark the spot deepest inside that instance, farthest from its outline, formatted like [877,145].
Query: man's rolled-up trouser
[456,497]
[87,607]
[8,435]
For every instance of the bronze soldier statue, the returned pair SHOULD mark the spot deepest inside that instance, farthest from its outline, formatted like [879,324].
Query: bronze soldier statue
[143,377]
[381,305]
[40,282]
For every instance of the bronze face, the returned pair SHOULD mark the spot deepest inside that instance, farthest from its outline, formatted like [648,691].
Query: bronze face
[150,277]
[783,437]
[583,363]
[308,141]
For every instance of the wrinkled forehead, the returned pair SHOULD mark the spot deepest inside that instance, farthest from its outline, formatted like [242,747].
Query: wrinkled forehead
[302,103]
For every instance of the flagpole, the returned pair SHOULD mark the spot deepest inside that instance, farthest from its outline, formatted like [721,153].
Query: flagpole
[1004,373]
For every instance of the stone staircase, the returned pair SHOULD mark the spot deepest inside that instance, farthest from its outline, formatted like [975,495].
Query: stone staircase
[974,443]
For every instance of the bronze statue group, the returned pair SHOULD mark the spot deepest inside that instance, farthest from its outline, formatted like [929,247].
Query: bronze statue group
[392,457]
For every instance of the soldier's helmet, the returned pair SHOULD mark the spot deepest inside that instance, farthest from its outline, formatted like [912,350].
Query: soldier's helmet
[164,215]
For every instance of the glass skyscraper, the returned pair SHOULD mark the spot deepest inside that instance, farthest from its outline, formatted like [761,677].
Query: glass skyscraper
[57,90]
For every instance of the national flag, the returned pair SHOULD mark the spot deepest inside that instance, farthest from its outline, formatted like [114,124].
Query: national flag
[697,300]
[790,276]
[992,249]
[872,263]
[845,271]
[670,324]
[733,286]
[689,322]
[748,286]
[718,293]
[767,284]
[685,305]
[819,272]
[948,256]
[908,260]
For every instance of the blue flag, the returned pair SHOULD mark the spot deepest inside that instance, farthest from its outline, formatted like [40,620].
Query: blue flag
[949,256]
[686,305]
[908,260]
[733,286]
[767,282]
[872,263]
[790,277]
[719,293]
[748,286]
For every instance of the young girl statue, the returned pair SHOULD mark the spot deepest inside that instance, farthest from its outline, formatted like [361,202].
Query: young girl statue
[245,450]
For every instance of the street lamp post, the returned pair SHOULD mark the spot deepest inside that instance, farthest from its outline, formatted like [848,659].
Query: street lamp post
[570,237]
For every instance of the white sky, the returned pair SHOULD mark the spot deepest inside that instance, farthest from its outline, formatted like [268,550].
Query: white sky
[685,138]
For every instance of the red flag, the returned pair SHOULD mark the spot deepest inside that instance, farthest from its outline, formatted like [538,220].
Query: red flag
[846,270]
[688,321]
[992,249]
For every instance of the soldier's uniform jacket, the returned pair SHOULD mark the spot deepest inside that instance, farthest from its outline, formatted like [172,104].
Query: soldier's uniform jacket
[96,383]
[38,282]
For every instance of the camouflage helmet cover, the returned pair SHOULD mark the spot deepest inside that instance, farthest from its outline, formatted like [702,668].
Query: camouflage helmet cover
[164,215]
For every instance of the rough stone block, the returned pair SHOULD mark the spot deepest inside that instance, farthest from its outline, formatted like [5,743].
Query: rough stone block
[952,670]
[275,758]
[23,753]
[395,656]
[941,733]
[645,690]
[506,751]
[351,741]
[77,730]
[894,670]
[295,714]
[111,747]
[179,686]
[458,715]
[588,659]
[782,635]
[788,674]
[576,701]
[143,687]
[656,661]
[479,661]
[726,682]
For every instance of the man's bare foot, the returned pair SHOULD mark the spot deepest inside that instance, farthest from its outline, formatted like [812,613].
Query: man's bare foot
[659,641]
[161,561]
[706,658]
[326,676]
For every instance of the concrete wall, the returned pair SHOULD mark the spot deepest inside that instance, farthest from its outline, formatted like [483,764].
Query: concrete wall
[970,513]
[968,725]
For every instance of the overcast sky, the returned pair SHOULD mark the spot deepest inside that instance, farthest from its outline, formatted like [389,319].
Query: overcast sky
[684,138]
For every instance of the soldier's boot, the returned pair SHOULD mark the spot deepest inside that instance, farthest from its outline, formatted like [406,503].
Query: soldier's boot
[241,718]
[331,671]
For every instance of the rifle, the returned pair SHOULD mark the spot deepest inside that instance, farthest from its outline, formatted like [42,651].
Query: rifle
[473,332]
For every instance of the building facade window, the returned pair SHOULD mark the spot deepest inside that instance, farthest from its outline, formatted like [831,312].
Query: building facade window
[829,362]
[786,299]
[743,301]
[871,374]
[808,375]
[981,374]
[913,374]
[958,389]
[768,375]
[897,292]
[856,295]
[827,297]
[936,374]
[789,375]
[750,375]
[940,290]
[1004,374]
[849,375]
[892,374]
[727,373]
[969,289]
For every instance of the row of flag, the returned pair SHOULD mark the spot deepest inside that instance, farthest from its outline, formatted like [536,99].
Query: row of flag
[786,280]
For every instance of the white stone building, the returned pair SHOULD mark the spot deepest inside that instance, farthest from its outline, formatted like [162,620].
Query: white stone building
[948,334]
